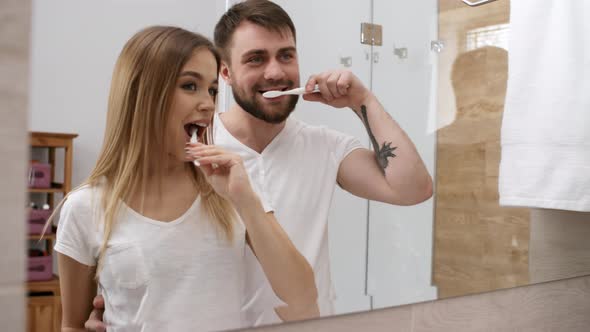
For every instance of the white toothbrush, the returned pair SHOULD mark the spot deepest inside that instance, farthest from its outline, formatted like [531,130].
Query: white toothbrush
[296,91]
[194,139]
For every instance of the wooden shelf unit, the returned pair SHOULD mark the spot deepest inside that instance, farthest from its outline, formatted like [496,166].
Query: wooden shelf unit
[44,297]
[55,188]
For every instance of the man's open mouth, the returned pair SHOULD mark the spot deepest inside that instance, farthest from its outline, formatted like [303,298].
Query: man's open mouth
[273,89]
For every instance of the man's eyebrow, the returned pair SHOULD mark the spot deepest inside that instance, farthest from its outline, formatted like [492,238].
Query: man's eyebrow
[288,49]
[254,52]
[265,52]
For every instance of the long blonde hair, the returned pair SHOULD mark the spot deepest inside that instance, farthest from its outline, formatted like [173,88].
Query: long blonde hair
[143,82]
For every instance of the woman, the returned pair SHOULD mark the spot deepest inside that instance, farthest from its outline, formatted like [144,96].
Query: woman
[164,239]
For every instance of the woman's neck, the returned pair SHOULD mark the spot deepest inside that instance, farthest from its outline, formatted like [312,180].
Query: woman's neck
[170,179]
[167,196]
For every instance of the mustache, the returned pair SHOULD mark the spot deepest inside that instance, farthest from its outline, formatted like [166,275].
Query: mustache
[275,84]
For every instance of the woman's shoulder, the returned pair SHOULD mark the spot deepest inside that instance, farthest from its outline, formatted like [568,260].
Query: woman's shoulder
[82,199]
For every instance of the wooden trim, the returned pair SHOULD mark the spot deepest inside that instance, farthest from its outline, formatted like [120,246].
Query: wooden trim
[45,237]
[55,188]
[68,161]
[44,286]
[57,140]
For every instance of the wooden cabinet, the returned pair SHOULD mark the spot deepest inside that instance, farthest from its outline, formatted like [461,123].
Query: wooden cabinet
[40,313]
[44,306]
[43,301]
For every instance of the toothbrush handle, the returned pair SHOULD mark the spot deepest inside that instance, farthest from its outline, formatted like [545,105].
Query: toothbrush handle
[297,91]
[301,90]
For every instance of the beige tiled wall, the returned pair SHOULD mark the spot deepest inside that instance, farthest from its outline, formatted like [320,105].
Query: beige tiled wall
[15,16]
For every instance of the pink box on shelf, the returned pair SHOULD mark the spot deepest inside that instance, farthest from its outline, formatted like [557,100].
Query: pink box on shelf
[40,268]
[40,175]
[37,220]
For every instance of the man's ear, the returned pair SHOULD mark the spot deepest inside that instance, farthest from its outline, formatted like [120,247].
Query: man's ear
[224,72]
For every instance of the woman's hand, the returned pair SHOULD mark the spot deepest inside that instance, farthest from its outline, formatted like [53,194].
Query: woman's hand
[224,171]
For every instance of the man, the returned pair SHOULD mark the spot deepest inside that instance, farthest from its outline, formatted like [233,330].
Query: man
[297,166]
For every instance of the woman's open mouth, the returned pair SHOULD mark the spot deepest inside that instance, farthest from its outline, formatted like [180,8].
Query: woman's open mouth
[201,128]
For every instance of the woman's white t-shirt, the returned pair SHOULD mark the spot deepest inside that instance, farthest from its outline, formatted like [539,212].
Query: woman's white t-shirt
[182,275]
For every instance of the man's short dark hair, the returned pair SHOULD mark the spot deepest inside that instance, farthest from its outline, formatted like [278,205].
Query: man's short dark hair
[263,13]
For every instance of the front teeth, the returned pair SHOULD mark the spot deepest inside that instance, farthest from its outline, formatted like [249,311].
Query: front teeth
[201,125]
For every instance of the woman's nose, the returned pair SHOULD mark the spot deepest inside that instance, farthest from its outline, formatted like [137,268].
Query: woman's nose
[207,105]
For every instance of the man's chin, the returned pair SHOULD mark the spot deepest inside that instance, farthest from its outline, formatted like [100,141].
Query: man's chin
[267,111]
[279,118]
[280,111]
[272,117]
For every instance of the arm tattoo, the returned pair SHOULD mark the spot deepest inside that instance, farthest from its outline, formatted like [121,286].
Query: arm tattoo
[386,150]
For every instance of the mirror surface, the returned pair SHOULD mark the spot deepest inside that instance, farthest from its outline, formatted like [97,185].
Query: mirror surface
[441,73]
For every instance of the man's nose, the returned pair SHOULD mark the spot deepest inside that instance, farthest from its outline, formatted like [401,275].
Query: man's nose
[274,71]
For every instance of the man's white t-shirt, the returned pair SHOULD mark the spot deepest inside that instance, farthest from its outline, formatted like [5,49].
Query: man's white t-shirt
[297,173]
[182,275]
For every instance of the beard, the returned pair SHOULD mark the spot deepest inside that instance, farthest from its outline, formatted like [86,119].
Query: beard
[254,108]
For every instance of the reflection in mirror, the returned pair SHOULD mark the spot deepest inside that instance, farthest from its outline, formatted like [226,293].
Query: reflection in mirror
[468,212]
[373,254]
[509,211]
[163,87]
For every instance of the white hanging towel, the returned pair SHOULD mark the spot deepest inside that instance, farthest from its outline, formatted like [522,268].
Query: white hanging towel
[546,126]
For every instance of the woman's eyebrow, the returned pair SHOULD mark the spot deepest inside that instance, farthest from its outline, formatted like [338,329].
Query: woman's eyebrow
[197,76]
[193,74]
